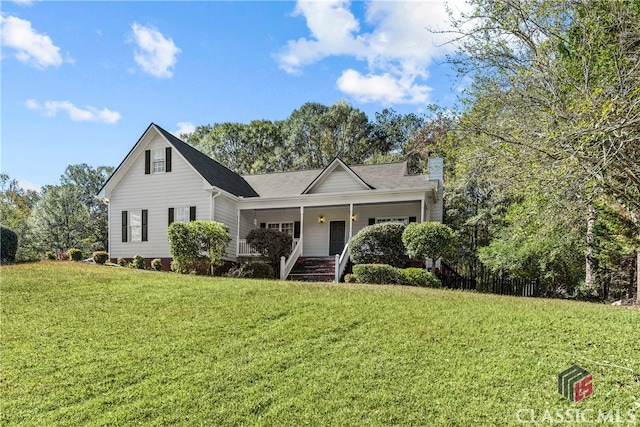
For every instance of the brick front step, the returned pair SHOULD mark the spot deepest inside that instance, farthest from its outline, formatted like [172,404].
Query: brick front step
[317,269]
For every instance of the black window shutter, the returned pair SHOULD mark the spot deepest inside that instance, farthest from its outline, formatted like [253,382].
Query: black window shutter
[171,216]
[145,215]
[372,221]
[412,219]
[167,159]
[296,230]
[192,213]
[125,215]
[147,162]
[263,225]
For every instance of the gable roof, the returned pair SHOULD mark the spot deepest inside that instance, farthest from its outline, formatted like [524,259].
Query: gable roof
[331,167]
[215,173]
[386,176]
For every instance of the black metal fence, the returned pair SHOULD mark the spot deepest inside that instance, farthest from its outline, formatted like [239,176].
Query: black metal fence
[480,279]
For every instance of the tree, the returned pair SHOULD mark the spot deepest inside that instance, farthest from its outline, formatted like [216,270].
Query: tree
[59,219]
[88,181]
[428,240]
[557,82]
[16,205]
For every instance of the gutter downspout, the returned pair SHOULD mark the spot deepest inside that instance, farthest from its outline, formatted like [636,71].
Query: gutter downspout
[212,205]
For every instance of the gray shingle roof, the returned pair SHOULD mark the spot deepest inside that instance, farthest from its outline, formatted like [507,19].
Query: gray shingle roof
[385,176]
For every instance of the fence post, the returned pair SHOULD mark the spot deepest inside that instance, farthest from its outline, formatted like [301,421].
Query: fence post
[283,261]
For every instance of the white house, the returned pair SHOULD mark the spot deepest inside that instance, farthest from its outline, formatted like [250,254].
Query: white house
[163,179]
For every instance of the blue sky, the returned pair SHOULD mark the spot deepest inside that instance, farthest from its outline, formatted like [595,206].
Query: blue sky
[81,81]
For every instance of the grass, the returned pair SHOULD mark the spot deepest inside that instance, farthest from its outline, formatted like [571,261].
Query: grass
[95,345]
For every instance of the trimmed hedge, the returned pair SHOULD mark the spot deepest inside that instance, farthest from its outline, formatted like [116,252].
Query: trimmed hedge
[50,255]
[100,257]
[379,244]
[378,274]
[138,262]
[383,274]
[156,264]
[75,254]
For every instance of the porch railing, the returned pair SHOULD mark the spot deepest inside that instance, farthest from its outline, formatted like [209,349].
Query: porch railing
[286,265]
[341,262]
[245,249]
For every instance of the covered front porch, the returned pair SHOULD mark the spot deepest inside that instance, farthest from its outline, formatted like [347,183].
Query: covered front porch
[323,231]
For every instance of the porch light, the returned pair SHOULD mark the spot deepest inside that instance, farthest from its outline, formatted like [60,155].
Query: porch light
[321,219]
[353,217]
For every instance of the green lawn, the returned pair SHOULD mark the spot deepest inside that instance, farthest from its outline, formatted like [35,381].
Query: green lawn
[94,345]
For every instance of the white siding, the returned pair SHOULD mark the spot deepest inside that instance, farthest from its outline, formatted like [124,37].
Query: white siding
[225,212]
[363,213]
[338,181]
[316,234]
[155,192]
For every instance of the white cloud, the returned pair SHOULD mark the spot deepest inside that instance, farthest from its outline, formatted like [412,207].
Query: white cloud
[383,88]
[155,54]
[88,114]
[398,48]
[184,127]
[24,2]
[26,185]
[31,47]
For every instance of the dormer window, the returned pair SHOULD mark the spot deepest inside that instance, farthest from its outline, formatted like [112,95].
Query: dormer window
[158,157]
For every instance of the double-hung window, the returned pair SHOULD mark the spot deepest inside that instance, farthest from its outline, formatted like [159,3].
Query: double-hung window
[182,214]
[401,220]
[158,160]
[135,225]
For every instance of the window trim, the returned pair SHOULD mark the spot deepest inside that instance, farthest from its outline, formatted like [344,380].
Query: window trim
[404,220]
[280,224]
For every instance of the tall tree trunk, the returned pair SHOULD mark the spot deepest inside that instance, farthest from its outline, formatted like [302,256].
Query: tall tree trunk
[591,270]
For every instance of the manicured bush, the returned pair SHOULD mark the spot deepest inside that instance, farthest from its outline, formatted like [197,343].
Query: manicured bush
[8,245]
[252,270]
[379,274]
[75,254]
[156,264]
[428,240]
[121,262]
[200,265]
[378,244]
[100,257]
[188,241]
[50,255]
[351,278]
[138,262]
[417,277]
[272,244]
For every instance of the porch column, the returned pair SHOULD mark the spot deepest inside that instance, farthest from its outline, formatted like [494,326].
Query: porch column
[350,220]
[422,210]
[300,242]
[238,235]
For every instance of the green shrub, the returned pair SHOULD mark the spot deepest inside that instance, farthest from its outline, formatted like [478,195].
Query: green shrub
[187,241]
[252,270]
[138,262]
[121,262]
[156,264]
[8,245]
[378,244]
[428,240]
[100,257]
[75,254]
[378,274]
[272,244]
[417,277]
[50,255]
[200,265]
[351,278]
